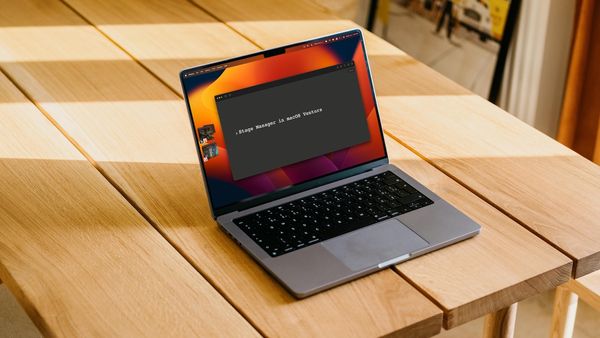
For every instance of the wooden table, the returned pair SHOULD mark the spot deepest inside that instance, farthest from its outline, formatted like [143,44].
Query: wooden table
[77,255]
[103,76]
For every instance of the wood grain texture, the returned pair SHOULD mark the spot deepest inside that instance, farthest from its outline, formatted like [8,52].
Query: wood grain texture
[545,186]
[137,131]
[77,256]
[504,264]
[166,36]
[167,41]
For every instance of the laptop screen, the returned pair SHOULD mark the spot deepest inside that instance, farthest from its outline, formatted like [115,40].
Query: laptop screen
[282,117]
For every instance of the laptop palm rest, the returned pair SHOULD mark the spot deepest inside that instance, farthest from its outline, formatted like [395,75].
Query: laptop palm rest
[386,242]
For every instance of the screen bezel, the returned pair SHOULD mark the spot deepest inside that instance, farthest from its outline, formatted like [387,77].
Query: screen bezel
[296,188]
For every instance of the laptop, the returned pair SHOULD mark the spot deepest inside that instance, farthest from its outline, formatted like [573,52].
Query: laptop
[296,170]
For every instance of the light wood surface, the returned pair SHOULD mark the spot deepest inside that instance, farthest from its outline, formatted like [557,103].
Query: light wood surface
[137,132]
[77,256]
[546,187]
[167,41]
[502,265]
[167,36]
[487,261]
[501,324]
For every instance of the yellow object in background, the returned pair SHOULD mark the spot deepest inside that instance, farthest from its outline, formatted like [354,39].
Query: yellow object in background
[498,13]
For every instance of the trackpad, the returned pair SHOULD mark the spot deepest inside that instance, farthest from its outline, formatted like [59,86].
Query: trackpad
[374,244]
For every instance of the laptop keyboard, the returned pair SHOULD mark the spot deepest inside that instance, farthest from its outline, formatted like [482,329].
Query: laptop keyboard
[316,218]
